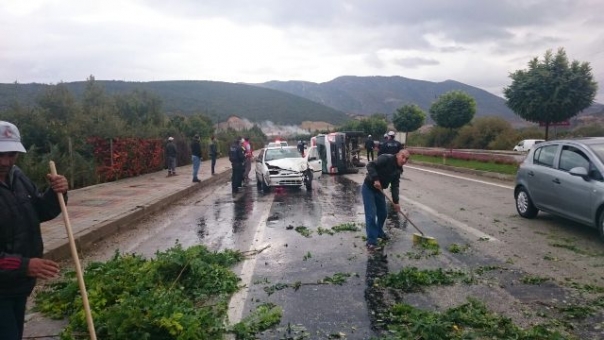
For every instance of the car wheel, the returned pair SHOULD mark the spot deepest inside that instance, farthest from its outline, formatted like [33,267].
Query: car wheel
[524,204]
[265,187]
[308,180]
[601,224]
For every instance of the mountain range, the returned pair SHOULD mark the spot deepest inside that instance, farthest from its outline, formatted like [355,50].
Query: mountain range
[288,102]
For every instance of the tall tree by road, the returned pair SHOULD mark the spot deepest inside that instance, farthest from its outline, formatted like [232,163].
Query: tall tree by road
[551,90]
[453,110]
[408,118]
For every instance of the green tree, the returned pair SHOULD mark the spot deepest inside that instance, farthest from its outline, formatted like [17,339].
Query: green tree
[551,90]
[453,109]
[103,120]
[408,118]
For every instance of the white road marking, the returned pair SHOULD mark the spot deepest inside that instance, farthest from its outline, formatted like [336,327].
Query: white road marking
[460,225]
[238,299]
[461,177]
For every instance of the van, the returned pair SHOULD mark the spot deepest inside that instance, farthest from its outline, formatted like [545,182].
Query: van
[526,144]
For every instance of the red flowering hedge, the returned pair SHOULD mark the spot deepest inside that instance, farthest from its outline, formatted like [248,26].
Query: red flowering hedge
[466,155]
[131,157]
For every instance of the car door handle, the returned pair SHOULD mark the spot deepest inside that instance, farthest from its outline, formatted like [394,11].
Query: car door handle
[555,180]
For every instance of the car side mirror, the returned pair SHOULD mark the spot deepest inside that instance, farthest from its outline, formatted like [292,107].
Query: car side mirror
[580,172]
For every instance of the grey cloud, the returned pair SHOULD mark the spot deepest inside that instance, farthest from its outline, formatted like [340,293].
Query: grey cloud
[415,62]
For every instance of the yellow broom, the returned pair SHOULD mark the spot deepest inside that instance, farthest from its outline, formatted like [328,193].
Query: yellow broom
[419,237]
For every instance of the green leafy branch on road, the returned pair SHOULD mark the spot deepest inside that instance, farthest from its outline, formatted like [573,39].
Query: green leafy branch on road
[180,294]
[344,227]
[264,317]
[412,279]
[471,320]
[336,279]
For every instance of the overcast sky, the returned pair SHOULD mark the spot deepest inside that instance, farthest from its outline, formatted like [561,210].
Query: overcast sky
[477,42]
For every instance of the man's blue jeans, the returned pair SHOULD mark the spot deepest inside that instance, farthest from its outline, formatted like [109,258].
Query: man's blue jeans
[196,164]
[374,203]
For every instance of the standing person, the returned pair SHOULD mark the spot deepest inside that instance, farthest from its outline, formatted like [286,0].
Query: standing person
[383,172]
[382,144]
[171,153]
[369,145]
[249,156]
[22,209]
[196,157]
[213,153]
[237,158]
[391,146]
[300,147]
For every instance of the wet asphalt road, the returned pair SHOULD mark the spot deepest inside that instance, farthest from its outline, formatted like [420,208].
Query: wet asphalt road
[455,209]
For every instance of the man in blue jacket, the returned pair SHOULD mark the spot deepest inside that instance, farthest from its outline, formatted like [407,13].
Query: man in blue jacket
[385,171]
[22,209]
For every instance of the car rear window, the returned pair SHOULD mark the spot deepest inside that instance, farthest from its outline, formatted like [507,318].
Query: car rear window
[545,155]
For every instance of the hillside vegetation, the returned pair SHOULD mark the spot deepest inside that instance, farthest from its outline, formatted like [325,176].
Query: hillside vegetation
[217,100]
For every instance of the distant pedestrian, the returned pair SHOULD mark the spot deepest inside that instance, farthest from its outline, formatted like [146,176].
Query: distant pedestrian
[300,147]
[385,171]
[213,153]
[249,156]
[196,157]
[22,209]
[391,146]
[369,145]
[237,158]
[171,153]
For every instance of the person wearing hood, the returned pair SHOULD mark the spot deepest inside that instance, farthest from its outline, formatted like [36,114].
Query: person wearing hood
[171,153]
[22,209]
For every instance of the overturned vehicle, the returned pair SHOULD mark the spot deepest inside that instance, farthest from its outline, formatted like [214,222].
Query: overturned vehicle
[286,167]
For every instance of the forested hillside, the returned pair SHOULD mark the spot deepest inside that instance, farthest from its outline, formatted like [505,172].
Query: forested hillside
[368,95]
[217,100]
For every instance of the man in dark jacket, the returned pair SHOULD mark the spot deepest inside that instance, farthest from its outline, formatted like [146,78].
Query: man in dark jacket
[196,157]
[369,145]
[383,172]
[22,209]
[237,158]
[390,146]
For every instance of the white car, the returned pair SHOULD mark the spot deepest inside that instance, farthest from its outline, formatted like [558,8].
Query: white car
[277,143]
[285,166]
[527,144]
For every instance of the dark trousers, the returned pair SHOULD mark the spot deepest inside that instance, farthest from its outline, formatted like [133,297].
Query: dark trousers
[237,176]
[374,203]
[369,153]
[12,315]
[213,163]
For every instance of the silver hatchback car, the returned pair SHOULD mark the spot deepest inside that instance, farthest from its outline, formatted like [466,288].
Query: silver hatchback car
[564,178]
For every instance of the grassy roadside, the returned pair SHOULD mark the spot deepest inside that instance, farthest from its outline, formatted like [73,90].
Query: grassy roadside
[506,169]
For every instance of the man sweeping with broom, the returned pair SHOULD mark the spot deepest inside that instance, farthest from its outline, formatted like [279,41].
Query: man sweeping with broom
[385,171]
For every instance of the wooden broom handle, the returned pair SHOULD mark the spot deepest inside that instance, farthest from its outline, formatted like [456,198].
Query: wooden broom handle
[76,260]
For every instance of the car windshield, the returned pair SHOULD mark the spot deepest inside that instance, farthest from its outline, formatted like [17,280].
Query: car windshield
[598,149]
[280,153]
